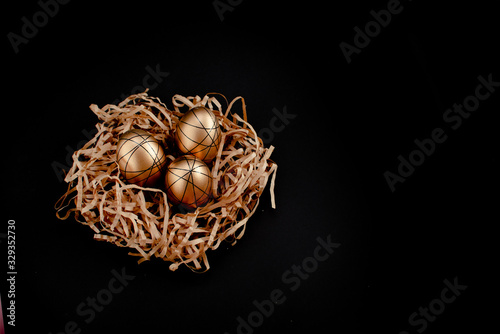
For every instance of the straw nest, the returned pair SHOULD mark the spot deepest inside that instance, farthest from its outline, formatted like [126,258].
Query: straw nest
[142,218]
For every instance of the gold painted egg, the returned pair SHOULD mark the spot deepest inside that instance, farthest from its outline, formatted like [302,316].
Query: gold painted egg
[198,133]
[140,158]
[188,181]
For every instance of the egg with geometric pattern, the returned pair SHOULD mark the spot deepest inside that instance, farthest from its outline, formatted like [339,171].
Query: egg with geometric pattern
[140,157]
[198,133]
[188,182]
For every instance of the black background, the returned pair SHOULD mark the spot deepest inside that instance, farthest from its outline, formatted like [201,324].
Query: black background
[352,122]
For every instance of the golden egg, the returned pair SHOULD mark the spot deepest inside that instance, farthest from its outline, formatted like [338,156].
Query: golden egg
[198,133]
[188,181]
[140,157]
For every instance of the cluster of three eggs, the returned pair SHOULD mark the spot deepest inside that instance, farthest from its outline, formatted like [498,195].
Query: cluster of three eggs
[187,179]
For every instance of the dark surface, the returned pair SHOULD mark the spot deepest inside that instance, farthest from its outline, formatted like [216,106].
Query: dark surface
[352,122]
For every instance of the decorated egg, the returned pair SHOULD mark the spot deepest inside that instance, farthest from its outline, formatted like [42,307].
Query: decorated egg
[198,133]
[140,157]
[188,181]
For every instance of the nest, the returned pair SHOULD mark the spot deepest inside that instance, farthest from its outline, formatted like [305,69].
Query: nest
[142,218]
